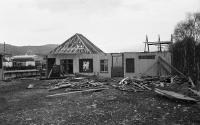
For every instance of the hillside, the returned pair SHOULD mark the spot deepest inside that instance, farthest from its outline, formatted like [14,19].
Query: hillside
[20,50]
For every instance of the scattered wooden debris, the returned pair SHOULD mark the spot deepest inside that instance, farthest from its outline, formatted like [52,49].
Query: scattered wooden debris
[195,92]
[75,83]
[172,79]
[123,81]
[60,87]
[168,84]
[191,82]
[138,85]
[146,87]
[128,89]
[30,86]
[89,90]
[130,85]
[174,95]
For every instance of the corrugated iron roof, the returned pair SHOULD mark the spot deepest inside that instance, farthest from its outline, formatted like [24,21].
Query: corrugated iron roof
[77,44]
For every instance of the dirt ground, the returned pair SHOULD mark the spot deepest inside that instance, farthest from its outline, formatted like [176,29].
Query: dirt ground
[22,106]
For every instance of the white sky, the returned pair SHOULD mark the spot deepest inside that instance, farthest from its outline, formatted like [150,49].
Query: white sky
[112,25]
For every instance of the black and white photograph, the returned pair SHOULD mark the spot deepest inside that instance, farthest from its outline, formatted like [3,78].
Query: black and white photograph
[100,62]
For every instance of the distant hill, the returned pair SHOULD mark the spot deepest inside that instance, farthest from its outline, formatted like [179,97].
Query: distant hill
[21,50]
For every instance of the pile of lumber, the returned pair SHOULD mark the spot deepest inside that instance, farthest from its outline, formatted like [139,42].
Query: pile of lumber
[76,83]
[175,87]
[134,85]
[171,86]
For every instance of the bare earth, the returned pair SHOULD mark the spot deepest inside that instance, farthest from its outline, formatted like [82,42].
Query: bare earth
[22,106]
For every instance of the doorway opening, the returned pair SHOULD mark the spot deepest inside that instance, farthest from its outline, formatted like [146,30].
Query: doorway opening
[66,66]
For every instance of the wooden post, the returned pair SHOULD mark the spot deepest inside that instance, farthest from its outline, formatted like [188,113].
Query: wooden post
[159,44]
[159,68]
[146,45]
[147,42]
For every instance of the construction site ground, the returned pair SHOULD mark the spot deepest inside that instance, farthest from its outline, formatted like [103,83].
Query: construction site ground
[22,106]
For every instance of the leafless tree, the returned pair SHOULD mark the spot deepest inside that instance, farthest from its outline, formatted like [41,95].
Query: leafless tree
[187,46]
[188,28]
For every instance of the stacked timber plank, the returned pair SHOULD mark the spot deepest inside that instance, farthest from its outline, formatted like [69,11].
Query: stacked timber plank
[172,87]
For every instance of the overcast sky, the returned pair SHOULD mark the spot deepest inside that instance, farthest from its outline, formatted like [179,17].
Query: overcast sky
[113,25]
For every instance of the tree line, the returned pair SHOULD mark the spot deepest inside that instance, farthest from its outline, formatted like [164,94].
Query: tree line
[186,48]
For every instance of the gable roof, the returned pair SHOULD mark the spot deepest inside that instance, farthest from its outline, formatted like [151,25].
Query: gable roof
[77,44]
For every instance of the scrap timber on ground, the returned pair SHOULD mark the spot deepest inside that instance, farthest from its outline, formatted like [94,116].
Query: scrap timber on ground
[93,100]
